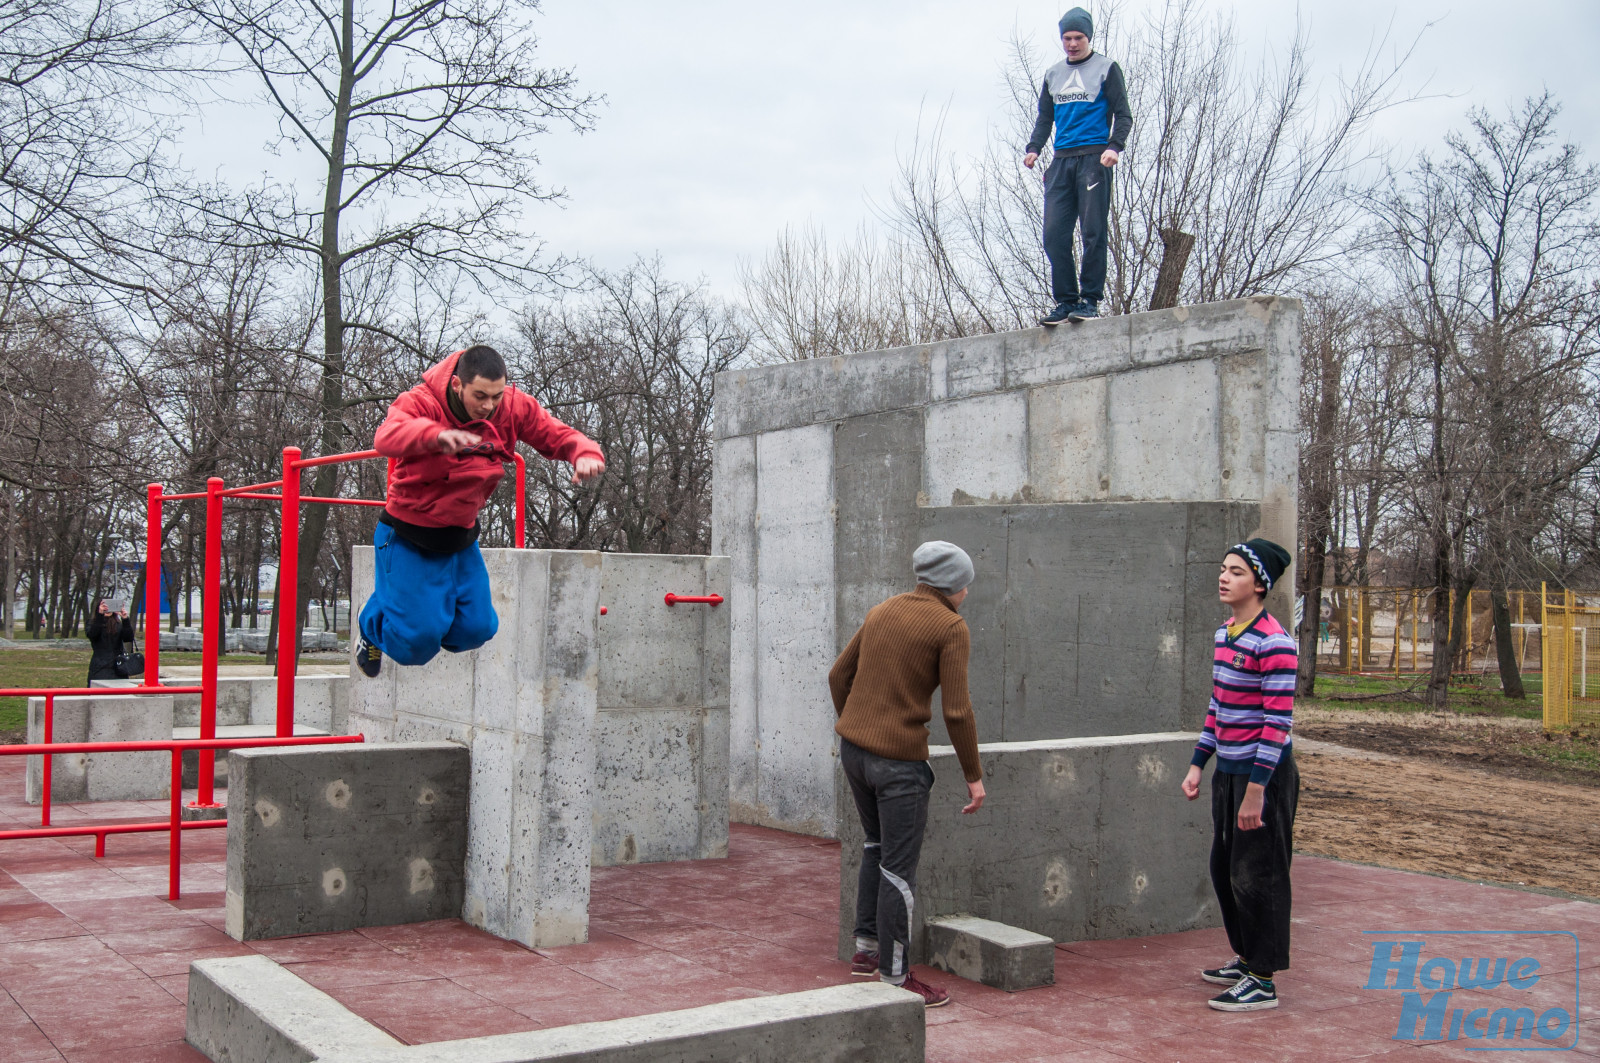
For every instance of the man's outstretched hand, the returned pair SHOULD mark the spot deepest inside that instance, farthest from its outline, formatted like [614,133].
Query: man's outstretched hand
[587,469]
[455,440]
[974,791]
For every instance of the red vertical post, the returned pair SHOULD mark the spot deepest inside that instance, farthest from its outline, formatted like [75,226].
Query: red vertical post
[175,842]
[287,605]
[49,761]
[210,648]
[522,500]
[152,587]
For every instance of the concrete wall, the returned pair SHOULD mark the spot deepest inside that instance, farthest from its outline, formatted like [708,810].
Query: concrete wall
[593,739]
[1095,472]
[1079,839]
[102,776]
[342,837]
[320,701]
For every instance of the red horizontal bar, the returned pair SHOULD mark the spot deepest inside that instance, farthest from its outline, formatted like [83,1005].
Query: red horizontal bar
[44,692]
[346,501]
[110,828]
[268,498]
[178,745]
[234,492]
[693,599]
[335,459]
[190,494]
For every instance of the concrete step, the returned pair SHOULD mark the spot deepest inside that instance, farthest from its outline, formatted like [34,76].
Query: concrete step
[982,950]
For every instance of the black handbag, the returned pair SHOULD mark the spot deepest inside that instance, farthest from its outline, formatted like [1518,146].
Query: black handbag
[128,665]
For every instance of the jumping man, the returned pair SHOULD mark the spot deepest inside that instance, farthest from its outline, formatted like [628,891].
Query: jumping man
[1256,786]
[1084,97]
[450,436]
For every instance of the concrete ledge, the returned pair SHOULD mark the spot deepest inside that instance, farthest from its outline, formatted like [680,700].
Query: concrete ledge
[247,1009]
[250,1010]
[981,950]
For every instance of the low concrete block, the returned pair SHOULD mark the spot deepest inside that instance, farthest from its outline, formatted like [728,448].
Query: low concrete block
[320,701]
[340,837]
[248,1009]
[103,776]
[982,950]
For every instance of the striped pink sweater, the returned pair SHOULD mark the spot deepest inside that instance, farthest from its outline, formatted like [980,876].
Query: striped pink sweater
[1252,700]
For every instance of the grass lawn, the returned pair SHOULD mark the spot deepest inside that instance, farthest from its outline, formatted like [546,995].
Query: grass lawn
[1470,695]
[67,668]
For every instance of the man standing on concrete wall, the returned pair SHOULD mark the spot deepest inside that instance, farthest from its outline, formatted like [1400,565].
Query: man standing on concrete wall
[882,687]
[450,437]
[1084,98]
[1256,786]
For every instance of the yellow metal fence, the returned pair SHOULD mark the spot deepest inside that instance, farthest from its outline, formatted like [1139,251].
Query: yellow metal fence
[1571,635]
[1390,629]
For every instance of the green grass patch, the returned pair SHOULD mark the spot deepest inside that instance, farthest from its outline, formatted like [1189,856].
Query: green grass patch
[1470,695]
[68,668]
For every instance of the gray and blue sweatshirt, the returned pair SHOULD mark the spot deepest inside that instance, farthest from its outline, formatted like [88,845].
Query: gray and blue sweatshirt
[1087,102]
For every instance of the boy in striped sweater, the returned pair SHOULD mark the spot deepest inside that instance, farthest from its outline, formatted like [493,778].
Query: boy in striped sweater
[1255,787]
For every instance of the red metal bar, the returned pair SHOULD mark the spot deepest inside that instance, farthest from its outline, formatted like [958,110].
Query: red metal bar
[336,459]
[344,501]
[100,831]
[235,492]
[152,584]
[522,499]
[287,606]
[98,692]
[210,650]
[157,745]
[694,599]
[49,760]
[190,494]
[175,840]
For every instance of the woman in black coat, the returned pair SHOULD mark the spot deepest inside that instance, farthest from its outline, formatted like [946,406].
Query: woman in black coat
[107,632]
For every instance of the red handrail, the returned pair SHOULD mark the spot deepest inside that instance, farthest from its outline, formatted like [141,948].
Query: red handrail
[694,599]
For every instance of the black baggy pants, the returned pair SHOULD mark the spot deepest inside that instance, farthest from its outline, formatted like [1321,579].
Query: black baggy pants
[892,799]
[1250,868]
[1077,194]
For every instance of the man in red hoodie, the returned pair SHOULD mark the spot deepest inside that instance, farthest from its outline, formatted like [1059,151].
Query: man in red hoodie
[450,437]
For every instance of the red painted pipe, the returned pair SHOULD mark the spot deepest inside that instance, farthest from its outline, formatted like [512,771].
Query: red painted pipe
[522,501]
[236,492]
[152,584]
[287,605]
[210,639]
[335,459]
[693,599]
[179,745]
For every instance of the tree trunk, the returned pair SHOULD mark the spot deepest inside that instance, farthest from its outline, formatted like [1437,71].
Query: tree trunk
[1505,645]
[7,620]
[1176,246]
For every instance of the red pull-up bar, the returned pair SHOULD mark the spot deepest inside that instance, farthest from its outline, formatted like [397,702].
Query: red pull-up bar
[694,599]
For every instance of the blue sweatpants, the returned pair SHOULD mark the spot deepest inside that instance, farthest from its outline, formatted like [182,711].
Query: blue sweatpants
[423,601]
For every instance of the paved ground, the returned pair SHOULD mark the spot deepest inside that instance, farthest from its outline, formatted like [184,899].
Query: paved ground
[93,958]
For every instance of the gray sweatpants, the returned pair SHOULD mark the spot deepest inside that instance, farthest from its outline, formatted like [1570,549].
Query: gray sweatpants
[892,799]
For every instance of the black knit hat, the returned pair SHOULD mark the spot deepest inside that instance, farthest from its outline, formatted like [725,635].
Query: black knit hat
[1266,559]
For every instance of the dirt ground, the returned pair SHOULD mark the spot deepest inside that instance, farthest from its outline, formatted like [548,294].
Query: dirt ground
[1448,794]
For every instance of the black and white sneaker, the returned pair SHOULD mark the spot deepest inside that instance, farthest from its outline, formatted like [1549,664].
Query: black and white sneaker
[1227,974]
[1059,314]
[368,658]
[1248,994]
[1084,311]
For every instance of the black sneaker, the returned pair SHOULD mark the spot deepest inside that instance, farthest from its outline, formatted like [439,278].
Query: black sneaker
[1084,311]
[1227,974]
[368,658]
[1248,994]
[1061,313]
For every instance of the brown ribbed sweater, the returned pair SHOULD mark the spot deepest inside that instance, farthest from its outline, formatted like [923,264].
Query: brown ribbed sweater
[883,682]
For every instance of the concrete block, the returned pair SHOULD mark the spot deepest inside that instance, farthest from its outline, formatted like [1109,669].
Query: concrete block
[821,389]
[981,950]
[795,630]
[248,1009]
[733,533]
[649,784]
[1208,330]
[1040,356]
[1164,432]
[976,450]
[972,365]
[102,776]
[1068,459]
[342,837]
[877,477]
[321,701]
[1081,838]
[1243,384]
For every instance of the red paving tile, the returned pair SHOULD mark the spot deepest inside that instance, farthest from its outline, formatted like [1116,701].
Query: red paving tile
[93,958]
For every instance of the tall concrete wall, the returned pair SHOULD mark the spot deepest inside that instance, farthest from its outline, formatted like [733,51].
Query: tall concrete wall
[1079,839]
[1095,473]
[594,739]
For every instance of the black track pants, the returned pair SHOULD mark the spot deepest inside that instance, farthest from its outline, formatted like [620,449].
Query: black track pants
[1077,191]
[1250,868]
[892,799]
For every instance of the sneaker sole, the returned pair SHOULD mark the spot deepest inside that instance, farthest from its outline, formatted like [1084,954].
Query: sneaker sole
[1216,979]
[935,1003]
[1049,324]
[1081,320]
[864,974]
[1259,1005]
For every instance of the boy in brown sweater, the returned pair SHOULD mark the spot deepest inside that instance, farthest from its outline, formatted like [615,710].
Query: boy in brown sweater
[883,686]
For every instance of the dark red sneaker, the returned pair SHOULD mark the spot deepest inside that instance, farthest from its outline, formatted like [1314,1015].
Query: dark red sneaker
[932,996]
[864,965]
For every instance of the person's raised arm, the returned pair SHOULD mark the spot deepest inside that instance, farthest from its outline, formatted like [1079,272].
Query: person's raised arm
[554,439]
[409,430]
[842,676]
[1041,126]
[957,701]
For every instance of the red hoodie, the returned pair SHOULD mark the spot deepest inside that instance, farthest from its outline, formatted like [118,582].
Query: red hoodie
[438,490]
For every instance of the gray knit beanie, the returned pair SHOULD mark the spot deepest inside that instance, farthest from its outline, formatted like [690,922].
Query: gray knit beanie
[1077,19]
[942,566]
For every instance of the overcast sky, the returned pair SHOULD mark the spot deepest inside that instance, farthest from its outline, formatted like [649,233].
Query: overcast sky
[727,120]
